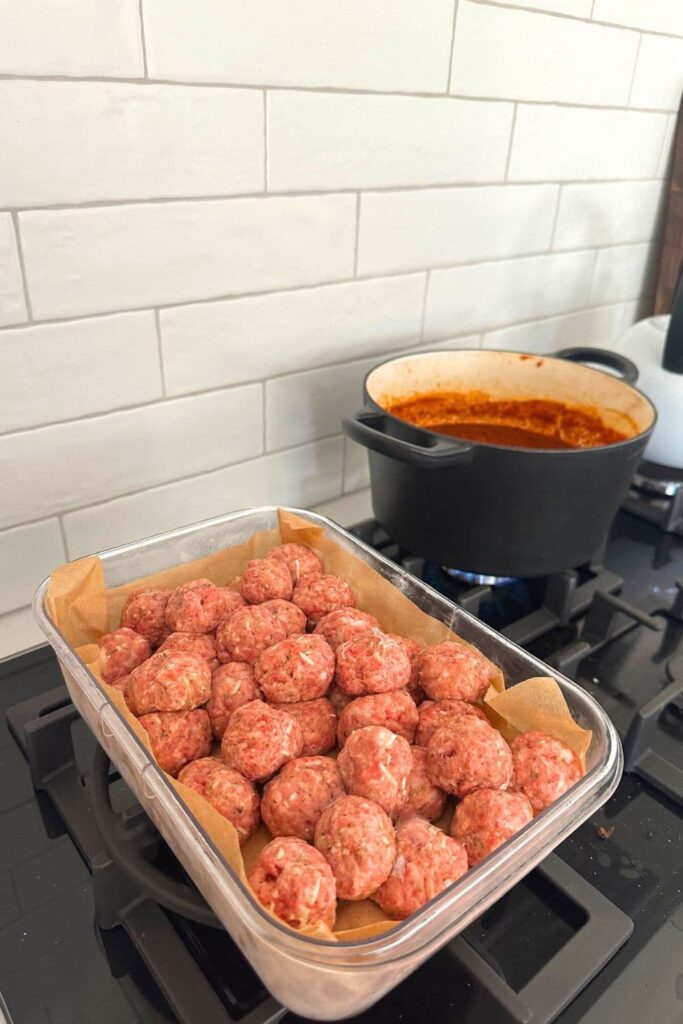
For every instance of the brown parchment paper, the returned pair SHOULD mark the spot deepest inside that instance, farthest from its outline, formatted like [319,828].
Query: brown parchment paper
[83,609]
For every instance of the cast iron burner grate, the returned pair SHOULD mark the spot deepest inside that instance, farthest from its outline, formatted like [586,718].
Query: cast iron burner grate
[656,495]
[140,888]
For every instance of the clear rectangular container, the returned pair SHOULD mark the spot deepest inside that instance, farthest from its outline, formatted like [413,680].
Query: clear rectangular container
[329,980]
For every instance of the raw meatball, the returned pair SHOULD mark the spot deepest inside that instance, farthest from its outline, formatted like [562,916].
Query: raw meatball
[424,798]
[317,596]
[295,883]
[145,611]
[440,713]
[371,663]
[318,724]
[201,645]
[414,651]
[178,737]
[198,607]
[259,739]
[544,768]
[395,711]
[286,613]
[299,559]
[227,791]
[232,685]
[121,652]
[427,862]
[473,756]
[375,764]
[266,580]
[337,698]
[247,634]
[485,819]
[169,681]
[294,800]
[345,623]
[357,839]
[453,670]
[298,668]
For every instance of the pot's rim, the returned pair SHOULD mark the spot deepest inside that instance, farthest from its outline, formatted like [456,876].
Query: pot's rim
[636,439]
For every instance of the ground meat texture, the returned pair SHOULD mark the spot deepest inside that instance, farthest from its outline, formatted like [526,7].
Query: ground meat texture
[485,819]
[544,768]
[121,652]
[232,685]
[266,580]
[317,596]
[473,756]
[259,739]
[301,561]
[145,612]
[453,670]
[288,615]
[438,714]
[295,883]
[413,649]
[375,764]
[298,668]
[227,791]
[395,711]
[169,681]
[427,862]
[371,663]
[201,645]
[337,698]
[424,798]
[318,724]
[247,634]
[294,800]
[198,607]
[178,737]
[357,839]
[345,623]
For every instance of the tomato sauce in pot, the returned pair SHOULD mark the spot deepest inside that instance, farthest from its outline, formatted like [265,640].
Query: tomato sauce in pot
[516,423]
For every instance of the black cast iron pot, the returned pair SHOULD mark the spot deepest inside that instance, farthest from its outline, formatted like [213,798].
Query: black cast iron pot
[488,508]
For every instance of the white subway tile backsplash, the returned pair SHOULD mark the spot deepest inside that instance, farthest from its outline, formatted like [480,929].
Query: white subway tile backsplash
[654,15]
[123,257]
[658,81]
[577,8]
[302,477]
[565,143]
[347,510]
[608,213]
[71,37]
[438,227]
[12,304]
[77,142]
[61,467]
[493,294]
[540,57]
[18,632]
[65,370]
[327,141]
[305,406]
[356,469]
[27,554]
[625,272]
[598,327]
[353,45]
[261,336]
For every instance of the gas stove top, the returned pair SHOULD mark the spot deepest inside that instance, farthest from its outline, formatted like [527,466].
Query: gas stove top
[99,923]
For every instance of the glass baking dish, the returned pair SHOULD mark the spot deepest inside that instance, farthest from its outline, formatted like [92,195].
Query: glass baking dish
[319,979]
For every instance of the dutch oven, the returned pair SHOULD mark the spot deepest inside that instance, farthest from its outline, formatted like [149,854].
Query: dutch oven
[488,508]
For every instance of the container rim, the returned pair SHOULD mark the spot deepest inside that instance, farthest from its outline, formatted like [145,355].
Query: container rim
[427,926]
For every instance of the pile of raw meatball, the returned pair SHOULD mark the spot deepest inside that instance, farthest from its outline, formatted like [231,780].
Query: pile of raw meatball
[280,669]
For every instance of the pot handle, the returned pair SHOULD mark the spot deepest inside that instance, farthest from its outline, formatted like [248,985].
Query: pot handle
[627,370]
[369,427]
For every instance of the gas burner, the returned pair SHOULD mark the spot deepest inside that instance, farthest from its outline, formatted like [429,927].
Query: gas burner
[478,578]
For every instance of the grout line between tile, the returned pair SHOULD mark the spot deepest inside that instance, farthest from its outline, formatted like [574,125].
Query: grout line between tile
[160,348]
[142,38]
[62,530]
[265,140]
[513,125]
[22,265]
[452,47]
[555,219]
[635,69]
[357,237]
[423,314]
[264,416]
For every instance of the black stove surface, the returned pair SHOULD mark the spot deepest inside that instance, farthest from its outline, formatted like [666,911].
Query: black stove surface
[57,966]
